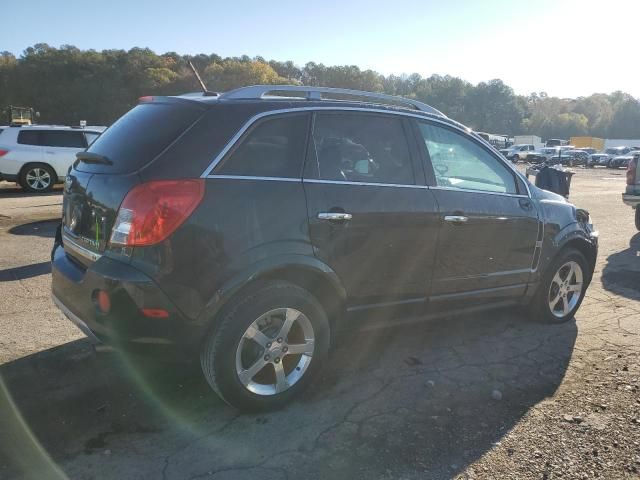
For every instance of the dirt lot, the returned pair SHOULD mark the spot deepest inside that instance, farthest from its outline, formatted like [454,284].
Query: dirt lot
[485,396]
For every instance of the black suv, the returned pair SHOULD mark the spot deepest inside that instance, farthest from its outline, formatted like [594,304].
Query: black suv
[248,227]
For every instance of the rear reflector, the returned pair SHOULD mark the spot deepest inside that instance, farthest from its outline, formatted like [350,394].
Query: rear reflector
[152,211]
[155,313]
[145,99]
[3,152]
[102,301]
[632,167]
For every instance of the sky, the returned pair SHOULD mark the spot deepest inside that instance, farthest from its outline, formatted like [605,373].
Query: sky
[567,48]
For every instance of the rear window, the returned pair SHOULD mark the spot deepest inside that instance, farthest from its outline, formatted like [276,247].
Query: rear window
[62,138]
[137,137]
[28,137]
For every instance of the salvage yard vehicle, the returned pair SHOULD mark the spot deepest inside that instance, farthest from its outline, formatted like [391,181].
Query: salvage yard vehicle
[38,156]
[623,160]
[598,160]
[248,228]
[631,196]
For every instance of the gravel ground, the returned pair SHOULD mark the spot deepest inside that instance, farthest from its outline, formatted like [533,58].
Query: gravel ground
[482,396]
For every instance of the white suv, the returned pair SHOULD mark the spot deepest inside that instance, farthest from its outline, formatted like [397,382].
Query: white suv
[38,156]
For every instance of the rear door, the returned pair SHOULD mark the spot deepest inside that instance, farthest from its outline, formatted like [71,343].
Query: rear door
[60,148]
[489,224]
[371,218]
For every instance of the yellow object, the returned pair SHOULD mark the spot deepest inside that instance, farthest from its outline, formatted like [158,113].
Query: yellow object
[587,142]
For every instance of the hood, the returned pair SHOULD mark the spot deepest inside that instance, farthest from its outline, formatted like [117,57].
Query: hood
[540,194]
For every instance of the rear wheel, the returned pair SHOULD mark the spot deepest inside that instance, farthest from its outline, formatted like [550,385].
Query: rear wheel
[562,288]
[37,178]
[638,217]
[267,347]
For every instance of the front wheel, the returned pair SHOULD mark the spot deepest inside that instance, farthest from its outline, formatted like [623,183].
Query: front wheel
[267,347]
[562,288]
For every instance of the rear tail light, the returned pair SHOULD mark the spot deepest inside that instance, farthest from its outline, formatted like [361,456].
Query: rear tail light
[3,152]
[152,211]
[632,167]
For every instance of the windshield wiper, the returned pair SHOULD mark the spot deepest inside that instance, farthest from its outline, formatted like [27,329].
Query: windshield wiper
[90,157]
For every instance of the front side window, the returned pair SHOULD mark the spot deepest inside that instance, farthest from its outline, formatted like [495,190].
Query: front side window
[459,162]
[275,147]
[360,147]
[61,138]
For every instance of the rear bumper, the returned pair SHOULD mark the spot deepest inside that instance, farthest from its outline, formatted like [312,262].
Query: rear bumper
[124,326]
[631,200]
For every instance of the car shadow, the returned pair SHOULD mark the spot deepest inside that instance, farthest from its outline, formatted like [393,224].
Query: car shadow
[621,274]
[24,272]
[41,228]
[425,399]
[9,189]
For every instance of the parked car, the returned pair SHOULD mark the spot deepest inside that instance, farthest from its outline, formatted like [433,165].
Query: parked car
[622,160]
[520,152]
[589,150]
[575,157]
[248,230]
[598,159]
[631,196]
[617,151]
[563,157]
[38,156]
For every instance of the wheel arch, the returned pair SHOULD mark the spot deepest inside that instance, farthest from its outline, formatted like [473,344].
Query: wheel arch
[306,272]
[35,164]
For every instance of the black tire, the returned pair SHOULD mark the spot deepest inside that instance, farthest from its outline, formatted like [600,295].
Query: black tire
[638,217]
[37,178]
[539,308]
[218,354]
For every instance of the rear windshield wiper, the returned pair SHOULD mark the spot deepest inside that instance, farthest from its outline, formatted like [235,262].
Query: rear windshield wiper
[90,157]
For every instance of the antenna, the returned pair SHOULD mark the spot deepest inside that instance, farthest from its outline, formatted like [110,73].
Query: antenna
[205,92]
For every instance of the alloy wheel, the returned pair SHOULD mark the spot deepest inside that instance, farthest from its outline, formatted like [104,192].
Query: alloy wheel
[565,289]
[38,178]
[275,351]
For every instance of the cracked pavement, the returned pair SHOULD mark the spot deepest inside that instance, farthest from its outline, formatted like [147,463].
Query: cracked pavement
[409,401]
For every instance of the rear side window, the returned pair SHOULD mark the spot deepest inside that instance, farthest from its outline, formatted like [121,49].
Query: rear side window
[62,138]
[137,137]
[459,162]
[273,148]
[362,148]
[91,137]
[28,137]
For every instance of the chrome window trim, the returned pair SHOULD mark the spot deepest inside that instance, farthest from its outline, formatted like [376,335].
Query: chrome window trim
[469,190]
[249,177]
[428,118]
[366,184]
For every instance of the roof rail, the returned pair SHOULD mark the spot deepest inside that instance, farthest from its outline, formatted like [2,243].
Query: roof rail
[256,92]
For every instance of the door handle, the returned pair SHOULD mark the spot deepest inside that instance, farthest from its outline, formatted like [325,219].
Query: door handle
[456,219]
[335,216]
[49,152]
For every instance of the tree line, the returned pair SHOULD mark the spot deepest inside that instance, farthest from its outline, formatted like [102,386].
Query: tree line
[68,84]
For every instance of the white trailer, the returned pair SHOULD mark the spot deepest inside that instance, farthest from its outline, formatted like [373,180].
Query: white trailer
[529,140]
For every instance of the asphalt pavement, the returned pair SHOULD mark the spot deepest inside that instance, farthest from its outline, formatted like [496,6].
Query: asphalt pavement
[490,395]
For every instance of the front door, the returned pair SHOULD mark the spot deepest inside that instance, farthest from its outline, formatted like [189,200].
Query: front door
[370,218]
[489,224]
